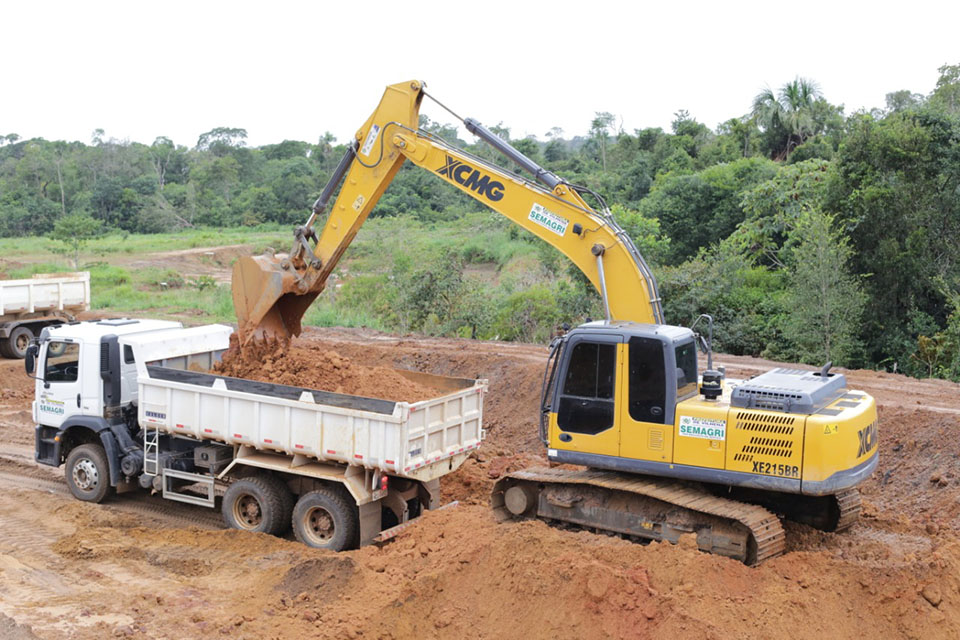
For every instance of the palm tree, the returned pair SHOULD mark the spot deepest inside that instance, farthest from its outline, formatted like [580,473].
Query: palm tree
[789,114]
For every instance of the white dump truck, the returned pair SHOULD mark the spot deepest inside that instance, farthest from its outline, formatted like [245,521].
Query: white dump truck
[127,404]
[29,305]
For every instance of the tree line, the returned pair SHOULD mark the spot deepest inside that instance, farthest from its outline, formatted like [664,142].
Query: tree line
[809,234]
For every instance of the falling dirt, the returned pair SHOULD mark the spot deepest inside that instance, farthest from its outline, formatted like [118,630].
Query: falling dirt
[314,367]
[132,568]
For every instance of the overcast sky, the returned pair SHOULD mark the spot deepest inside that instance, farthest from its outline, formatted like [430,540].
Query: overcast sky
[285,70]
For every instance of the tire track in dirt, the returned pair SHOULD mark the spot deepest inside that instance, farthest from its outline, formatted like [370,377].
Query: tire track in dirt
[163,512]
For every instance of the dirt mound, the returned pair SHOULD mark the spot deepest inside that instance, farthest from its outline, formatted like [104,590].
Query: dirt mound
[315,367]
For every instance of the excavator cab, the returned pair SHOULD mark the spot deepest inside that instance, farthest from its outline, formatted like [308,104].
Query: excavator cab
[614,387]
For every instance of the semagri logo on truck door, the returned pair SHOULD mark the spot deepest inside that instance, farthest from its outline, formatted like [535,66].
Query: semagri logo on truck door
[49,405]
[462,173]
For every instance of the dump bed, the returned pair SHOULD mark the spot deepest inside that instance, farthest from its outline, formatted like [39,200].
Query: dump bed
[65,293]
[419,440]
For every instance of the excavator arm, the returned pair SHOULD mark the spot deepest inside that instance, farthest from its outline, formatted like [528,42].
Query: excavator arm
[271,293]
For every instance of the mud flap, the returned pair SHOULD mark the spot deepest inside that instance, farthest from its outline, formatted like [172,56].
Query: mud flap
[369,522]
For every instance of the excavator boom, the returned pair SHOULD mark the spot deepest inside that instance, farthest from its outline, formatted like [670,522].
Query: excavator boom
[271,293]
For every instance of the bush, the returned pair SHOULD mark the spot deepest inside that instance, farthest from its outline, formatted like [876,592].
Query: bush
[103,276]
[530,315]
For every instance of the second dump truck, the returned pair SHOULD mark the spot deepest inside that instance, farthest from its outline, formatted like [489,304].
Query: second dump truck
[129,403]
[29,305]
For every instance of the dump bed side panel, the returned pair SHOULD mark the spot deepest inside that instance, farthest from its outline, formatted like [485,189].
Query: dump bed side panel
[67,293]
[423,441]
[441,429]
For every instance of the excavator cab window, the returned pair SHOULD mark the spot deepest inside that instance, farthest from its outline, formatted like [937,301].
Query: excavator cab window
[686,369]
[586,399]
[648,385]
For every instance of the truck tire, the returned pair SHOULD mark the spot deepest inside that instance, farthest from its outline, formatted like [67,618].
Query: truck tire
[88,473]
[325,519]
[259,503]
[18,342]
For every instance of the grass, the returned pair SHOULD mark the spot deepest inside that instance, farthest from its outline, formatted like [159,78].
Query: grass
[481,238]
[119,242]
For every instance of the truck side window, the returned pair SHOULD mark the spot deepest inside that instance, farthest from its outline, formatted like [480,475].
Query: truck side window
[647,382]
[128,354]
[586,402]
[63,360]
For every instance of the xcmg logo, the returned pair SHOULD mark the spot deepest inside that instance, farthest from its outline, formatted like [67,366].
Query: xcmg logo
[868,439]
[472,179]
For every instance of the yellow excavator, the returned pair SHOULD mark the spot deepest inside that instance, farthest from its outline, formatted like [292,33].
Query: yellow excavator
[661,450]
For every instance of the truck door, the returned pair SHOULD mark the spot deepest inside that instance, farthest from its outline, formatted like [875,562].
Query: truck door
[59,390]
[586,417]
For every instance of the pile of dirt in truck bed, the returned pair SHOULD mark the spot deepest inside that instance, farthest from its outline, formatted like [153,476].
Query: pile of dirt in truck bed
[315,367]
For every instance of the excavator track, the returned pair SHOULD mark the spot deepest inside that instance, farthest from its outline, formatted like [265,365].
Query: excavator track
[848,504]
[833,513]
[644,507]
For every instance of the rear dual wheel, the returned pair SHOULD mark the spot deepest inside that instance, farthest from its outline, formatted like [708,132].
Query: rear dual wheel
[325,519]
[261,503]
[16,345]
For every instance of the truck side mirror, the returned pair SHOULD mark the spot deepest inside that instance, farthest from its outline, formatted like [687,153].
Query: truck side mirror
[30,358]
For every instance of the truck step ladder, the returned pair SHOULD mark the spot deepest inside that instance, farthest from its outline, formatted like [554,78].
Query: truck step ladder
[151,451]
[151,467]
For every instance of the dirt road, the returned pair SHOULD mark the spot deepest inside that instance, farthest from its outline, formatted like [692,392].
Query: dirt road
[140,567]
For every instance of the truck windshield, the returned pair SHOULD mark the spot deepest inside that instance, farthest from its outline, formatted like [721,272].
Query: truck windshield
[63,359]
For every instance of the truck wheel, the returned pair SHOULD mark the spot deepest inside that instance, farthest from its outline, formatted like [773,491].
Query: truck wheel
[19,340]
[324,519]
[5,350]
[260,503]
[87,473]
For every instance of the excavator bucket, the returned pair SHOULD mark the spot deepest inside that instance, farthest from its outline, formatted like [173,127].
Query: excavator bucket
[266,300]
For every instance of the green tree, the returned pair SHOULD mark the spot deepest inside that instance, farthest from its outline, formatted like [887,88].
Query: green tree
[700,209]
[946,95]
[903,100]
[896,188]
[220,141]
[787,116]
[74,231]
[600,129]
[528,315]
[825,300]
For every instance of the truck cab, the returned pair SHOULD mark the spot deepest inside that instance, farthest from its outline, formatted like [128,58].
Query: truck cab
[86,384]
[73,367]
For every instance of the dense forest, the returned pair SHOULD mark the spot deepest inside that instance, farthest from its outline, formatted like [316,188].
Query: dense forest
[808,233]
